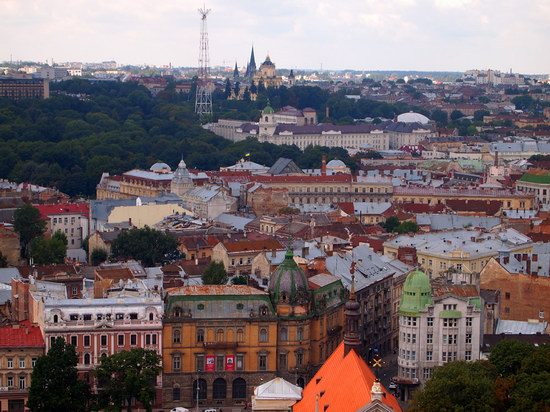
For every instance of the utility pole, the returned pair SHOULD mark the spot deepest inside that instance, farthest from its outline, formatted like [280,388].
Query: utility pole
[203,98]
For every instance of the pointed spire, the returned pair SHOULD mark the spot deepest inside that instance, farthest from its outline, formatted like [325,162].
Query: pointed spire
[252,59]
[236,71]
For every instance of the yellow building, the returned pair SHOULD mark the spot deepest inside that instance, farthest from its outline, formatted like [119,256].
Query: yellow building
[431,196]
[220,342]
[461,250]
[267,74]
[145,214]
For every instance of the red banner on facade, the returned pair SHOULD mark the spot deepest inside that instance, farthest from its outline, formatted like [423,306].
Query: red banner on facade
[210,363]
[229,362]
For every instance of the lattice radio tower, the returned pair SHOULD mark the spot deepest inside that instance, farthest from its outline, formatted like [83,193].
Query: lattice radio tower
[203,99]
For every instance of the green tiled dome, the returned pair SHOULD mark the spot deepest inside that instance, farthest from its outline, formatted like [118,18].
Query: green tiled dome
[417,293]
[288,284]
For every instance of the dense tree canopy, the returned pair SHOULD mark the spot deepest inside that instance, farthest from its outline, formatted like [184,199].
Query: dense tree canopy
[29,225]
[147,245]
[49,251]
[55,386]
[126,376]
[87,128]
[215,274]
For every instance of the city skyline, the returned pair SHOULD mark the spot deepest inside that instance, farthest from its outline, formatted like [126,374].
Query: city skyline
[423,35]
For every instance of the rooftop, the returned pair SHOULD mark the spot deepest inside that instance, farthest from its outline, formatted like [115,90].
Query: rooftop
[219,290]
[21,335]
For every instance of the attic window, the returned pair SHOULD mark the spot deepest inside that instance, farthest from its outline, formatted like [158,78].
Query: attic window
[200,306]
[240,306]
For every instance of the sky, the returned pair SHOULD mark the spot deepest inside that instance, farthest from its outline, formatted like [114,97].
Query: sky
[429,35]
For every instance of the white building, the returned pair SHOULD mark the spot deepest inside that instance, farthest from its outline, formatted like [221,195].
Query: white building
[436,326]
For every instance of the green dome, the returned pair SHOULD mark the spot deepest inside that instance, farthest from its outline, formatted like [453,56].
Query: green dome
[417,293]
[268,109]
[288,283]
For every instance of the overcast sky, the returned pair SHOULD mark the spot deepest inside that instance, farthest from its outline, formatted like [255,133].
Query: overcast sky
[352,34]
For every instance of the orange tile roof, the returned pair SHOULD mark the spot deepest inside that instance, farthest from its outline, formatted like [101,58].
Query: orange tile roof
[252,245]
[343,384]
[22,335]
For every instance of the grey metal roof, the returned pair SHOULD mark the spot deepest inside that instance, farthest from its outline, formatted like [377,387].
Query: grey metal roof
[516,327]
[7,274]
[237,222]
[283,165]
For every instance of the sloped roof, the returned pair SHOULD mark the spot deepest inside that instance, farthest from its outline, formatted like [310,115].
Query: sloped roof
[278,388]
[343,384]
[253,245]
[22,335]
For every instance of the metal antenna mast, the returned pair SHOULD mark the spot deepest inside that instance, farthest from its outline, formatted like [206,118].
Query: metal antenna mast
[203,99]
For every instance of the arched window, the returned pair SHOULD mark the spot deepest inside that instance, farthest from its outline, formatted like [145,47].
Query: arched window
[177,312]
[219,335]
[239,388]
[176,393]
[267,119]
[151,316]
[55,318]
[263,335]
[87,359]
[200,335]
[283,334]
[176,336]
[201,383]
[300,333]
[219,389]
[240,335]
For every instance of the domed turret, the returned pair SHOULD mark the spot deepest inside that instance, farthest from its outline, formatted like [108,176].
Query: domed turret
[417,294]
[181,182]
[288,284]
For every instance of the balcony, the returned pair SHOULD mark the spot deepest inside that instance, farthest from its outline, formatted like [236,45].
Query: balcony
[220,345]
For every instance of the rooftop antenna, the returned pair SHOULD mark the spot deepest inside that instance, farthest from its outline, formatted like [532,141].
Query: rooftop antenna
[203,99]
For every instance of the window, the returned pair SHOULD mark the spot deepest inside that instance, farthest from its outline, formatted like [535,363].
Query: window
[147,339]
[430,321]
[219,389]
[33,362]
[411,321]
[22,381]
[176,362]
[10,363]
[220,363]
[429,355]
[176,393]
[119,316]
[154,339]
[468,338]
[133,340]
[430,338]
[199,363]
[507,296]
[21,363]
[176,336]
[10,382]
[282,361]
[450,323]
[87,359]
[413,355]
[300,333]
[262,362]
[120,339]
[413,338]
[427,373]
[240,362]
[219,335]
[263,335]
[86,341]
[103,340]
[75,291]
[469,321]
[74,340]
[444,356]
[283,334]
[240,335]
[468,355]
[445,339]
[299,358]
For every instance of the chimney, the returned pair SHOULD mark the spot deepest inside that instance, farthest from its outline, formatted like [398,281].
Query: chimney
[324,165]
[273,252]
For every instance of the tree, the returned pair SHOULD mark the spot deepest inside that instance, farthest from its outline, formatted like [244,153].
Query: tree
[407,227]
[214,274]
[98,256]
[480,114]
[508,355]
[55,386]
[456,114]
[391,223]
[126,376]
[49,251]
[29,225]
[227,91]
[148,245]
[440,116]
[457,387]
[239,280]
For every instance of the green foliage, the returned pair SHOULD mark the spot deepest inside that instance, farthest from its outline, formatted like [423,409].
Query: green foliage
[239,280]
[126,376]
[391,224]
[479,114]
[55,386]
[29,225]
[214,274]
[456,114]
[440,117]
[49,251]
[371,154]
[147,245]
[98,256]
[508,355]
[458,387]
[524,102]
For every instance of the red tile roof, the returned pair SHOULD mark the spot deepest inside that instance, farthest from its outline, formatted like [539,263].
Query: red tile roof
[487,207]
[22,335]
[338,372]
[64,209]
[303,179]
[252,245]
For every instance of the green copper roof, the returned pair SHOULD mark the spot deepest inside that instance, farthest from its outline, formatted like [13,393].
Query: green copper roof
[450,314]
[417,294]
[531,178]
[289,283]
[268,109]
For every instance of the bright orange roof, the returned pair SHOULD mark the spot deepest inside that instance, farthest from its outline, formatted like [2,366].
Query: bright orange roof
[346,382]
